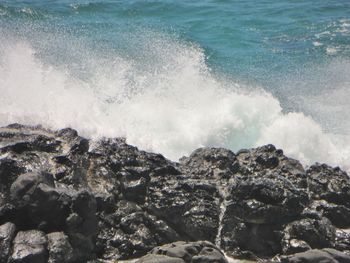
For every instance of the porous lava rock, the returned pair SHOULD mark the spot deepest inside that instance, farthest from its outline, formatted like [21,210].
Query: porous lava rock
[64,198]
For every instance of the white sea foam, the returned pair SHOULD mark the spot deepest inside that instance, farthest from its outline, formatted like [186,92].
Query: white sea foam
[166,101]
[331,50]
[317,44]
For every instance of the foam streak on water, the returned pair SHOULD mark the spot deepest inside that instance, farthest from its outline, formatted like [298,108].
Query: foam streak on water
[168,102]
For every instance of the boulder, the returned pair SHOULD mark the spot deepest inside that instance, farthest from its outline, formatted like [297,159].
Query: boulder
[132,232]
[271,200]
[188,252]
[318,256]
[60,249]
[103,199]
[7,234]
[38,201]
[29,247]
[330,184]
[210,163]
[316,233]
[191,206]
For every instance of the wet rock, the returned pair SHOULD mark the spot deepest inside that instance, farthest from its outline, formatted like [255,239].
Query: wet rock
[330,184]
[266,200]
[196,252]
[9,170]
[339,215]
[316,233]
[39,202]
[342,240]
[135,190]
[266,161]
[132,232]
[246,241]
[190,206]
[109,200]
[60,249]
[292,245]
[27,184]
[84,206]
[317,256]
[209,163]
[268,191]
[7,234]
[29,247]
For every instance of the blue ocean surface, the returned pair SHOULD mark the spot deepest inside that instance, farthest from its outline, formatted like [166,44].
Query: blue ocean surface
[172,76]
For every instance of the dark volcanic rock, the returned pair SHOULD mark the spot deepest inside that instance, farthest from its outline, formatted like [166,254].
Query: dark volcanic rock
[29,247]
[36,200]
[188,252]
[330,184]
[75,200]
[7,234]
[273,200]
[308,233]
[134,232]
[268,191]
[318,256]
[210,163]
[60,249]
[190,206]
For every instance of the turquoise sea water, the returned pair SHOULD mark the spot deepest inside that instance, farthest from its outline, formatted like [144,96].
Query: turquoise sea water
[172,76]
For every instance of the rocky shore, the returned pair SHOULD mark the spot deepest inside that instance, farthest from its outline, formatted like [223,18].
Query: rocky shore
[64,198]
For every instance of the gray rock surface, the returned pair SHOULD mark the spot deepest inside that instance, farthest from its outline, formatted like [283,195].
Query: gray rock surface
[60,249]
[109,200]
[318,256]
[188,252]
[29,247]
[7,234]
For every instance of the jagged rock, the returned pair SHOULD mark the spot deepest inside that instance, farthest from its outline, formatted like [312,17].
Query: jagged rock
[318,256]
[245,240]
[39,202]
[342,240]
[267,161]
[29,247]
[188,252]
[50,209]
[330,184]
[132,232]
[106,199]
[9,170]
[266,200]
[316,233]
[268,191]
[292,245]
[7,233]
[60,249]
[339,215]
[119,175]
[84,206]
[189,205]
[210,163]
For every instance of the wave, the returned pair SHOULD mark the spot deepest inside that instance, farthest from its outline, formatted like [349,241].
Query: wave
[20,11]
[164,99]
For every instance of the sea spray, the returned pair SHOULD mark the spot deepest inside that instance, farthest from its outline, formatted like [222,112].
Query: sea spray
[168,101]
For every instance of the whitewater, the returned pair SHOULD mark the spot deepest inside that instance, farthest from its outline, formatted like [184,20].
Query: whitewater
[168,100]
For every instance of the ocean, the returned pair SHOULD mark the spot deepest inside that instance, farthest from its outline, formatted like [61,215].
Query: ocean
[172,76]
